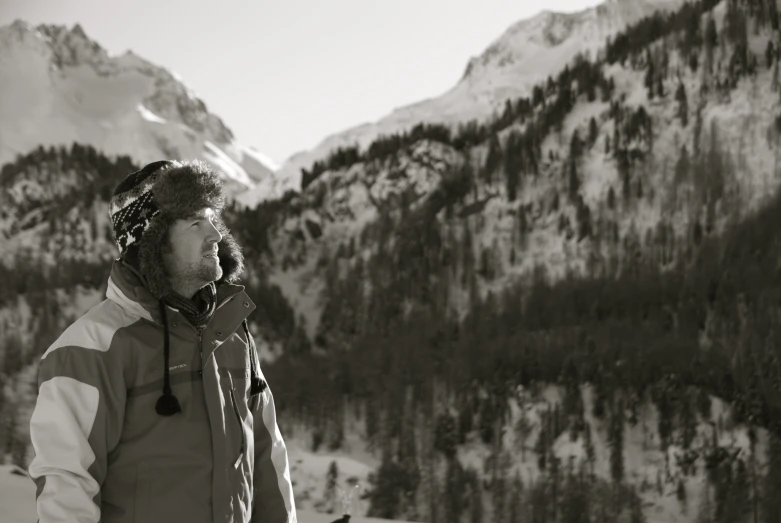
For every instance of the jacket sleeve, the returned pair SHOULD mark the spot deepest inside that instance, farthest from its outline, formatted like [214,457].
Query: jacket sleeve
[273,490]
[76,421]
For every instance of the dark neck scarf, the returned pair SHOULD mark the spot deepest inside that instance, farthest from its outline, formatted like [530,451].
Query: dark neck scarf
[199,310]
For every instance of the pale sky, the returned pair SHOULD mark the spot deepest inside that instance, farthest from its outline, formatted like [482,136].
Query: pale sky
[283,75]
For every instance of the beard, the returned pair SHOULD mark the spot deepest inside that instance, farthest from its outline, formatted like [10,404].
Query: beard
[197,274]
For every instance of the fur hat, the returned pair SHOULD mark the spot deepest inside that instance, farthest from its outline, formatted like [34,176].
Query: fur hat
[147,202]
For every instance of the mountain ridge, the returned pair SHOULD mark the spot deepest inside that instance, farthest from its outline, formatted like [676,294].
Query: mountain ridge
[507,69]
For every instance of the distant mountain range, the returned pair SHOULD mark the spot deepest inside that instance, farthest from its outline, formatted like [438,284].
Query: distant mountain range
[59,87]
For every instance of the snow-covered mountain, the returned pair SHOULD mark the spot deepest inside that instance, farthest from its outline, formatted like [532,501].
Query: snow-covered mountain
[631,180]
[57,86]
[527,53]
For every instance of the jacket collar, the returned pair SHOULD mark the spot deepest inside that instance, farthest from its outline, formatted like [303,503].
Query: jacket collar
[126,288]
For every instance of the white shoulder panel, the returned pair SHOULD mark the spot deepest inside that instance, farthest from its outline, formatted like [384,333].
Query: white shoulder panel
[95,329]
[59,429]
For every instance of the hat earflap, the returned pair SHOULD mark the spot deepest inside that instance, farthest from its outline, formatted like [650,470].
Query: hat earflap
[150,254]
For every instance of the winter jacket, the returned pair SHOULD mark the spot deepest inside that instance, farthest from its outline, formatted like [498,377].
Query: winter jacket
[102,453]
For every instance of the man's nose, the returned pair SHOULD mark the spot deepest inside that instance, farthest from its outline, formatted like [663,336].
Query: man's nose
[214,234]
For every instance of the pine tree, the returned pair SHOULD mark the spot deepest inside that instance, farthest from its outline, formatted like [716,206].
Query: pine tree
[593,131]
[611,199]
[680,493]
[589,448]
[771,502]
[694,62]
[9,420]
[705,514]
[736,505]
[499,493]
[475,499]
[636,513]
[660,93]
[683,106]
[692,33]
[555,482]
[542,444]
[575,146]
[616,142]
[330,487]
[688,422]
[454,490]
[12,357]
[445,436]
[512,180]
[493,159]
[616,442]
[573,181]
[575,501]
[711,41]
[19,450]
[522,430]
[516,500]
[649,76]
[770,54]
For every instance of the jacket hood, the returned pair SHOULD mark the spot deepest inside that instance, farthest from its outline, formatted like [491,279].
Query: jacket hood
[127,287]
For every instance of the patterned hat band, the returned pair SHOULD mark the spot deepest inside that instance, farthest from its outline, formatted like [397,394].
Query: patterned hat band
[131,221]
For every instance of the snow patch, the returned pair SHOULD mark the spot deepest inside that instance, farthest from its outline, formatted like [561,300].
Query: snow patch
[224,163]
[149,116]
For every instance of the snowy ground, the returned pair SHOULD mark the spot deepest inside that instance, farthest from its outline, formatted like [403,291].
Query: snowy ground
[308,470]
[17,501]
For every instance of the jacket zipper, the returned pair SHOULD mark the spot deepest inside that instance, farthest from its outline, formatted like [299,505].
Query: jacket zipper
[233,397]
[241,427]
[200,353]
[199,333]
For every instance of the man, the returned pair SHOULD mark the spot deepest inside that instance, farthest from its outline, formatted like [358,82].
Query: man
[109,446]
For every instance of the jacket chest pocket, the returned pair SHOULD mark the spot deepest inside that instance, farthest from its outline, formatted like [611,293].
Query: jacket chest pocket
[234,366]
[242,414]
[239,441]
[234,385]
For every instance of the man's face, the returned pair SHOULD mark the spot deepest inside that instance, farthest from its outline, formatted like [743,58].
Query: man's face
[192,260]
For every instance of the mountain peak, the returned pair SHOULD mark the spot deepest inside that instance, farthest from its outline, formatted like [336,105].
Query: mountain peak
[19,25]
[73,47]
[61,87]
[78,31]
